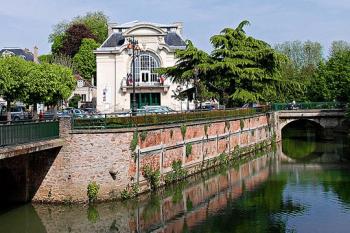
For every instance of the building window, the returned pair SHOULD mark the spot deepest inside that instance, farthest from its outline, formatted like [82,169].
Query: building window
[83,98]
[145,68]
[80,83]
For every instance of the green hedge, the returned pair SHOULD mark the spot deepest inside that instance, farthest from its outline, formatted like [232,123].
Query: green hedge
[110,121]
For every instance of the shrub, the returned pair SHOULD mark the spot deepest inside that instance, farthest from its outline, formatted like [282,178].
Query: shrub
[188,149]
[134,141]
[143,135]
[152,176]
[177,172]
[92,191]
[130,191]
[183,131]
[241,123]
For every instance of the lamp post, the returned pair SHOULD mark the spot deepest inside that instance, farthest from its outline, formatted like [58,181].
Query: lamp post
[133,51]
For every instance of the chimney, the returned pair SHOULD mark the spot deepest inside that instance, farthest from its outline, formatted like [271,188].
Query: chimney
[111,27]
[35,55]
[180,26]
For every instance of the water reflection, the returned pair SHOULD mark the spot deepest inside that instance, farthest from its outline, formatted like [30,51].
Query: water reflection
[272,193]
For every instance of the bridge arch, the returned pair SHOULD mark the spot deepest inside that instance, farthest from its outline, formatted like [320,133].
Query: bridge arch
[304,124]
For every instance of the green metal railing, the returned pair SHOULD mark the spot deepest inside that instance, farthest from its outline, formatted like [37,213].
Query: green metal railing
[126,120]
[307,105]
[27,132]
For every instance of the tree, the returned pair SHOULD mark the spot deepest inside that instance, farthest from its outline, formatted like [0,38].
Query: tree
[73,38]
[97,22]
[73,102]
[243,69]
[187,71]
[339,46]
[13,73]
[336,73]
[85,60]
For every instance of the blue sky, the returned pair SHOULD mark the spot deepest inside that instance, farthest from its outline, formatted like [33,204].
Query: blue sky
[25,23]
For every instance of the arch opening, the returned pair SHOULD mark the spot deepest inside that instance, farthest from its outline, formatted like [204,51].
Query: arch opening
[145,68]
[302,139]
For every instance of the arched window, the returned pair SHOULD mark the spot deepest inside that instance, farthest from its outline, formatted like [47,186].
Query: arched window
[145,68]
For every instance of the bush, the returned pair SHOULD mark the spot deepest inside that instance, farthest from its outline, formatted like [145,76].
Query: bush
[152,176]
[188,149]
[177,173]
[92,191]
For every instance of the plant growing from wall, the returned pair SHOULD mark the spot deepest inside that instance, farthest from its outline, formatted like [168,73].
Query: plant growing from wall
[227,125]
[130,191]
[177,173]
[206,130]
[152,176]
[92,191]
[143,135]
[241,123]
[223,158]
[183,129]
[134,141]
[171,133]
[188,149]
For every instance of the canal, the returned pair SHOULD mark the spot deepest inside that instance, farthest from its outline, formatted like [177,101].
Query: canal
[301,185]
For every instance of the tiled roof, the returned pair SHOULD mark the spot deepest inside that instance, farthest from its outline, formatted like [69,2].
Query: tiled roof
[86,82]
[27,55]
[115,40]
[173,39]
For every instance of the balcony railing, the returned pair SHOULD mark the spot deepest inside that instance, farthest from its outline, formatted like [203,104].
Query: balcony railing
[126,84]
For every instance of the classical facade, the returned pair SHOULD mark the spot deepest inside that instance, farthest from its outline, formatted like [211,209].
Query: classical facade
[158,43]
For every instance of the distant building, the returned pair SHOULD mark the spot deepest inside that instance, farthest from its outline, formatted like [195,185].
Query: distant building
[26,54]
[158,43]
[86,91]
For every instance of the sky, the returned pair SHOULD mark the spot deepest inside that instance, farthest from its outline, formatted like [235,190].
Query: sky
[26,23]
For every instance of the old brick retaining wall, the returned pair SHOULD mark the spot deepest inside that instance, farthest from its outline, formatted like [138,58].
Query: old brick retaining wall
[105,156]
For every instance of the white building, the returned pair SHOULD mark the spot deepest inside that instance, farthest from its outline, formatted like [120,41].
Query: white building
[158,43]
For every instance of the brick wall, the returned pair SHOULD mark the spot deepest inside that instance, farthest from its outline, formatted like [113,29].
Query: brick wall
[104,156]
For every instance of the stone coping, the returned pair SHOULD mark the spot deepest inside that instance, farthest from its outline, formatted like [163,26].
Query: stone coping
[157,127]
[12,151]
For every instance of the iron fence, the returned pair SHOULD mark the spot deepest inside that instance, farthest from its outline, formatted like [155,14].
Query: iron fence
[14,133]
[308,105]
[126,120]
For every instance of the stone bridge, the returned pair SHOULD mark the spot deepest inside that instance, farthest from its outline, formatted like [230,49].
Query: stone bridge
[329,119]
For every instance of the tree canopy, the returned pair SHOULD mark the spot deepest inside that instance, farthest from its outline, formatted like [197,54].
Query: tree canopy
[242,69]
[85,60]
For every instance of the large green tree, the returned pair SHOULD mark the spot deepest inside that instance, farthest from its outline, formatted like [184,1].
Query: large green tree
[85,60]
[336,73]
[13,73]
[187,72]
[96,22]
[243,69]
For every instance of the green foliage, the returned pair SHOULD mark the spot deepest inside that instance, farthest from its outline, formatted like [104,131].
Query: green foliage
[183,129]
[241,124]
[73,102]
[223,158]
[45,58]
[130,191]
[85,60]
[96,22]
[134,141]
[188,149]
[143,135]
[177,173]
[186,71]
[152,176]
[92,191]
[243,69]
[171,133]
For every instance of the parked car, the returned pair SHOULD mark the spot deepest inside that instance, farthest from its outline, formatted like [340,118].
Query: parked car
[157,109]
[19,113]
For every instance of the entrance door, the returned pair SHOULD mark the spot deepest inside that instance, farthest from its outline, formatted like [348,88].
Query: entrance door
[146,99]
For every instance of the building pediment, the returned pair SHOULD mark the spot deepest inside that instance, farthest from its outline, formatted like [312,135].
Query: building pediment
[144,30]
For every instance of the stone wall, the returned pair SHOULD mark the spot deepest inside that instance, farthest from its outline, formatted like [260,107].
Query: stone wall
[105,156]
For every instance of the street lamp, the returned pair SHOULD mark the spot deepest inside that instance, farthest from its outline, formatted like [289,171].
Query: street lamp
[133,51]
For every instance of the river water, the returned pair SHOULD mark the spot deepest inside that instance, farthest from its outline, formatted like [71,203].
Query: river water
[303,185]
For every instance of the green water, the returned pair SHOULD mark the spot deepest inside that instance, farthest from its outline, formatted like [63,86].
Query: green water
[304,186]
